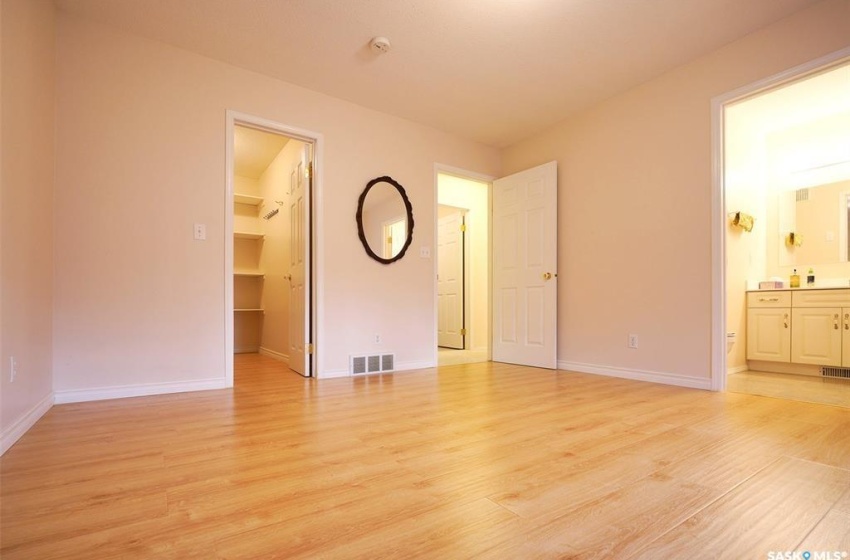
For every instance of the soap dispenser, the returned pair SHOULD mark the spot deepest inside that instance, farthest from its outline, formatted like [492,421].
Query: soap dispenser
[795,279]
[810,279]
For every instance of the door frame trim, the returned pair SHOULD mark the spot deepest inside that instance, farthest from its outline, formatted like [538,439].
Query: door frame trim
[233,118]
[718,196]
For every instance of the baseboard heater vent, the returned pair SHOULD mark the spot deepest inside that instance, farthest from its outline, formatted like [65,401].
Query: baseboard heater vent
[372,363]
[841,372]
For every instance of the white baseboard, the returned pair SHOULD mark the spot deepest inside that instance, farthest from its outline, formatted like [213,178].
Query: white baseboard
[736,369]
[333,374]
[142,390]
[14,432]
[276,355]
[639,375]
[407,366]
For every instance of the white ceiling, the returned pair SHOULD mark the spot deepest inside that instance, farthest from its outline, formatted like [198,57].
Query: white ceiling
[495,71]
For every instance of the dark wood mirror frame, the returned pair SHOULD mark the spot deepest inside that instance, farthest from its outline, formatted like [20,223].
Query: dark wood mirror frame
[408,207]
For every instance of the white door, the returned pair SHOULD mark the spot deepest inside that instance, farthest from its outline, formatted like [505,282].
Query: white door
[299,250]
[450,300]
[525,265]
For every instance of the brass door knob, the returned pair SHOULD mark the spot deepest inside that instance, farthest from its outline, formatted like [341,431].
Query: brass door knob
[547,275]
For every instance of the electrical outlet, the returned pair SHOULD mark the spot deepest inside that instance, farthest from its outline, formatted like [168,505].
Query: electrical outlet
[13,369]
[425,252]
[377,339]
[633,341]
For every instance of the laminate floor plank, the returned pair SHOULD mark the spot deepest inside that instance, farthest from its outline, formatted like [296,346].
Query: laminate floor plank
[774,510]
[480,460]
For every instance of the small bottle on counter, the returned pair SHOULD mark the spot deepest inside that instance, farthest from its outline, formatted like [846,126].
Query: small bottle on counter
[795,279]
[810,279]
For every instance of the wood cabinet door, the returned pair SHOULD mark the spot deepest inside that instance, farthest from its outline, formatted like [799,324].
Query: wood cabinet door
[816,336]
[769,334]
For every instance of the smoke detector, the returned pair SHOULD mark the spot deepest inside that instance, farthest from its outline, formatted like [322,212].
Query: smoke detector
[380,44]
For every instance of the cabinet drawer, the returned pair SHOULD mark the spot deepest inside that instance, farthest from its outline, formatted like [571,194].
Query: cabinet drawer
[769,299]
[822,298]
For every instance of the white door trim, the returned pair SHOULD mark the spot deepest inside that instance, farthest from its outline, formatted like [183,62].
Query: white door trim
[233,118]
[718,204]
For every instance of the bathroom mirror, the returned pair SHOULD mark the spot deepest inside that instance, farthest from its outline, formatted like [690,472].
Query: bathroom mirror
[818,214]
[385,220]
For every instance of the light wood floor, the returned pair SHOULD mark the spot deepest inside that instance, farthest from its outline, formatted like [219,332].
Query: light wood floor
[477,461]
[806,388]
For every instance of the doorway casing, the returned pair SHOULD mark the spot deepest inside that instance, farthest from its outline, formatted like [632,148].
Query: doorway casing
[234,118]
[718,204]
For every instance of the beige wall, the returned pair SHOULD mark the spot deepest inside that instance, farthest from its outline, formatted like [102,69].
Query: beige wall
[473,196]
[141,124]
[634,213]
[276,256]
[28,71]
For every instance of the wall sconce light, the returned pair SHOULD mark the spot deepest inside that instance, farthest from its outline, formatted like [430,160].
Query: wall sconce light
[794,239]
[742,220]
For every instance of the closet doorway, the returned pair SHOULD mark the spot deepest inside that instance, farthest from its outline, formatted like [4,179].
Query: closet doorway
[269,239]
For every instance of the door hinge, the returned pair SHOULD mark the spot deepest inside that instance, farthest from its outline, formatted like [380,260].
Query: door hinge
[462,227]
[310,348]
[462,332]
[308,171]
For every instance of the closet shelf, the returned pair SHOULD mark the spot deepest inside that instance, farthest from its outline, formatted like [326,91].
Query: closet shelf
[248,310]
[247,235]
[247,199]
[249,274]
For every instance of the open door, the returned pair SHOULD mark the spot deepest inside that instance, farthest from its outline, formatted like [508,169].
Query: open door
[300,320]
[525,265]
[451,329]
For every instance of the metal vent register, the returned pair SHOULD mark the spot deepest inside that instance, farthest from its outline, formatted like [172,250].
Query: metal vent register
[841,372]
[372,363]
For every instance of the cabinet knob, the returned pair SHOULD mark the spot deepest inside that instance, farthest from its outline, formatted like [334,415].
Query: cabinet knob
[835,321]
[785,320]
[847,321]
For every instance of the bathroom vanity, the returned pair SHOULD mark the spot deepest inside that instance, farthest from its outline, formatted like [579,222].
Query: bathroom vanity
[800,330]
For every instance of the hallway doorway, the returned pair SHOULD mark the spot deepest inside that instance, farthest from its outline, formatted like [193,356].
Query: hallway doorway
[463,269]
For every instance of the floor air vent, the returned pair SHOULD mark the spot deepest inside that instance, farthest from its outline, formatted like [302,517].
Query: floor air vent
[372,363]
[840,372]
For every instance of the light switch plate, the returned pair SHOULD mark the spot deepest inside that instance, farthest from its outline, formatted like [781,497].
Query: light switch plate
[200,232]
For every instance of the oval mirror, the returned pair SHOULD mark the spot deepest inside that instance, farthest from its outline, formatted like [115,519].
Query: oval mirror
[385,220]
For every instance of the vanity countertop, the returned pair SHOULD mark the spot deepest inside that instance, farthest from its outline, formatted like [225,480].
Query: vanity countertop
[803,288]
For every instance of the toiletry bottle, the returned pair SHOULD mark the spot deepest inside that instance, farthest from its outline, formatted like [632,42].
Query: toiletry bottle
[795,279]
[810,279]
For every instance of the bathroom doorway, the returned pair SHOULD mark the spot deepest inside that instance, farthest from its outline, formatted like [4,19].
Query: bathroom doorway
[781,149]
